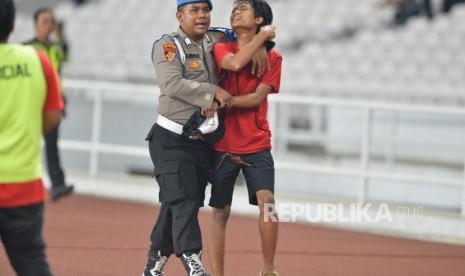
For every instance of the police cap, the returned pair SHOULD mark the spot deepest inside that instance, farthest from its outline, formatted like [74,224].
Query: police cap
[185,2]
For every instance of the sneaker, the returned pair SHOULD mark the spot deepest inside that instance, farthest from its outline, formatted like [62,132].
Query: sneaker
[57,193]
[193,265]
[271,273]
[155,265]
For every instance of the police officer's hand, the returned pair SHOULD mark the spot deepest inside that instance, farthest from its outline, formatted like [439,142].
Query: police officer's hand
[211,111]
[223,97]
[260,62]
[207,112]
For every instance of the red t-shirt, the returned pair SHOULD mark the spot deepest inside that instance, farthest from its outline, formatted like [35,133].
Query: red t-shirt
[247,129]
[33,192]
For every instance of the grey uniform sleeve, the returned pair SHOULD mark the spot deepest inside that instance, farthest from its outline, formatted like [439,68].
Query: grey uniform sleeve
[172,82]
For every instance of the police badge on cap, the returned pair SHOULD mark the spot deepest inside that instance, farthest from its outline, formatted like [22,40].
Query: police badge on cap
[185,2]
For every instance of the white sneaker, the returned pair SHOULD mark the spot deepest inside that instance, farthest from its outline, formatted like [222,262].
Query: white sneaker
[155,265]
[193,264]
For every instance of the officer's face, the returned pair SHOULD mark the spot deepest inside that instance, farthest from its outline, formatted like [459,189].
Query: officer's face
[243,15]
[45,24]
[194,19]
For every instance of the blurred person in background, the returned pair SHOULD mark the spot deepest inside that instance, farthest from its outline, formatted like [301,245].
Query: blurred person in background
[404,10]
[61,39]
[30,104]
[44,24]
[79,2]
[246,143]
[188,79]
[448,4]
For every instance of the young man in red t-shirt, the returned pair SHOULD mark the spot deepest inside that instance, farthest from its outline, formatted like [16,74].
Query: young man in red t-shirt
[247,141]
[30,104]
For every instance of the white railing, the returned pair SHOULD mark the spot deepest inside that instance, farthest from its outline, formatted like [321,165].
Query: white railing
[95,147]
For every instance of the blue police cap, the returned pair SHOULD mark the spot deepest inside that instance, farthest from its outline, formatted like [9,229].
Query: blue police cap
[185,2]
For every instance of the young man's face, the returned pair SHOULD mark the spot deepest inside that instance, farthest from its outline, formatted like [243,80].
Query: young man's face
[243,15]
[194,19]
[45,24]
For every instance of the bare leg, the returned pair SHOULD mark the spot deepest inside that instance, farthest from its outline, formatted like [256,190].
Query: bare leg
[268,231]
[217,239]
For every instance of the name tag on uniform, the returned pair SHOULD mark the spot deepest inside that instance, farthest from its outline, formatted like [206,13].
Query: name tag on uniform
[192,56]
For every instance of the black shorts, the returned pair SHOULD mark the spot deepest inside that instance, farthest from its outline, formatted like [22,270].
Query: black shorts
[258,176]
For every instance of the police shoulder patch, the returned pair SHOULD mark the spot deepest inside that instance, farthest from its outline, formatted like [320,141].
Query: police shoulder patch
[170,51]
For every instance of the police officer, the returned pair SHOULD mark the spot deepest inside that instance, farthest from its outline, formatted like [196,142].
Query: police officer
[187,77]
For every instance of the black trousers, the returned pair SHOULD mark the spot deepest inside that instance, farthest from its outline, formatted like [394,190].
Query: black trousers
[55,171]
[21,234]
[181,169]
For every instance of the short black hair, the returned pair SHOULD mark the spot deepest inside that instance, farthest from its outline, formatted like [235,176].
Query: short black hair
[261,9]
[7,18]
[38,12]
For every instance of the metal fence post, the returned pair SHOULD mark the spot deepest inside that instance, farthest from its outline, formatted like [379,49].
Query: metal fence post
[283,127]
[273,119]
[365,155]
[463,192]
[96,132]
[391,145]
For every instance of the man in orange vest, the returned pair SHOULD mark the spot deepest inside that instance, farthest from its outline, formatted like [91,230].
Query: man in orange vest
[30,105]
